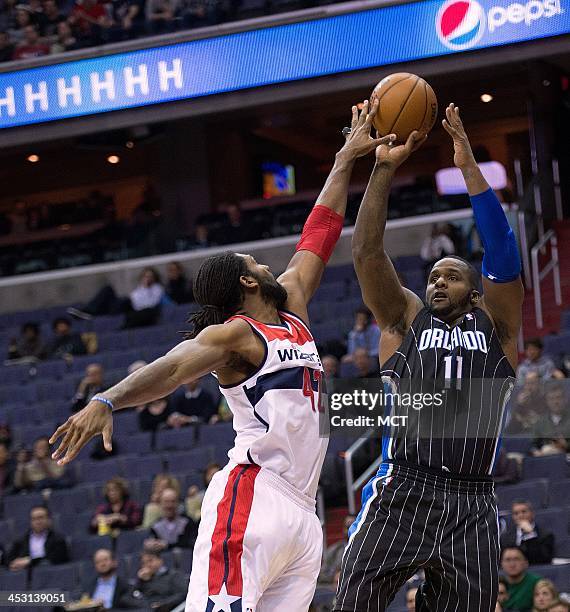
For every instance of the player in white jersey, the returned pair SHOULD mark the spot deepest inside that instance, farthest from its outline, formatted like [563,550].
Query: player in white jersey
[259,542]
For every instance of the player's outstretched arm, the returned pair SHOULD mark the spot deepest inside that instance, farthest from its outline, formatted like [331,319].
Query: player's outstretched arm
[324,225]
[502,285]
[210,350]
[393,306]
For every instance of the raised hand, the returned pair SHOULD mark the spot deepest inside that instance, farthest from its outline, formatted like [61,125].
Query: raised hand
[393,157]
[453,125]
[359,142]
[93,420]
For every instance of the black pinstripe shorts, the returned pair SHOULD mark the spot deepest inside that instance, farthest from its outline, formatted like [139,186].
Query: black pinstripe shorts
[417,519]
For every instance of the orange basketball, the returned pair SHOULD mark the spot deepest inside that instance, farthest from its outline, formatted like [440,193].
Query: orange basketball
[406,103]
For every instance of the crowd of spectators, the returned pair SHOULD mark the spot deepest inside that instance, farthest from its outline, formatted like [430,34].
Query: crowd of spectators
[41,27]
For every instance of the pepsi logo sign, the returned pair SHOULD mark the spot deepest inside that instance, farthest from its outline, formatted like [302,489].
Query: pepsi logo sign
[460,24]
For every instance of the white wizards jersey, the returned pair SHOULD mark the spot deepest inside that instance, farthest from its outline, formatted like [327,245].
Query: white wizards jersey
[277,409]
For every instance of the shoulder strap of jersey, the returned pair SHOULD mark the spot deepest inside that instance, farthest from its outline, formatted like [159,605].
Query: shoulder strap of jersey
[291,317]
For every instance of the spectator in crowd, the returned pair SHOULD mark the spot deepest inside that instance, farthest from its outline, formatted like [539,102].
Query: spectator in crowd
[536,361]
[528,401]
[65,40]
[128,19]
[507,470]
[437,245]
[199,13]
[365,334]
[559,606]
[22,19]
[118,511]
[6,470]
[106,586]
[363,364]
[65,342]
[545,596]
[31,46]
[224,413]
[189,404]
[6,47]
[51,18]
[90,20]
[5,434]
[91,384]
[173,529]
[29,344]
[153,416]
[194,496]
[39,544]
[330,366]
[159,586]
[552,430]
[333,554]
[41,471]
[142,308]
[160,15]
[178,288]
[152,511]
[136,365]
[536,542]
[520,582]
[234,229]
[411,599]
[201,237]
[503,595]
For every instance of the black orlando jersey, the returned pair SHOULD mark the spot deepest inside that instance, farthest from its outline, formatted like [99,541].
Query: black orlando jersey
[451,386]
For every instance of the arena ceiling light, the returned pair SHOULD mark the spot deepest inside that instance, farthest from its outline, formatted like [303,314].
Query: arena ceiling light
[486,97]
[33,158]
[113,159]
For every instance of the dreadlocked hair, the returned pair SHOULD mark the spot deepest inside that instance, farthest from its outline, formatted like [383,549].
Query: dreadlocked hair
[218,291]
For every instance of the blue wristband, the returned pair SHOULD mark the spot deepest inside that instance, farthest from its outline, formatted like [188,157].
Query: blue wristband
[103,400]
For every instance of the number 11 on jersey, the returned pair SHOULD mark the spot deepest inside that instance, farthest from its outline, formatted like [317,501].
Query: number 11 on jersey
[450,376]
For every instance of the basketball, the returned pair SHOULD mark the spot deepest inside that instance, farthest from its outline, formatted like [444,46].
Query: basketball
[406,103]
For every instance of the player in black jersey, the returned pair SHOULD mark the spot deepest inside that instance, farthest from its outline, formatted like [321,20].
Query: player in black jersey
[431,505]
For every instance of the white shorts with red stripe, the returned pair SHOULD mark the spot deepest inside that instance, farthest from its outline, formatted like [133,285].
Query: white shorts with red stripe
[259,545]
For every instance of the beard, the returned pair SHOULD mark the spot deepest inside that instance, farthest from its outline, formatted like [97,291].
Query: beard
[272,292]
[460,306]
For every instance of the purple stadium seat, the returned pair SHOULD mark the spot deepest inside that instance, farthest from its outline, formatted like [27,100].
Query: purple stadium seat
[183,559]
[107,323]
[23,415]
[556,519]
[348,370]
[559,574]
[98,471]
[554,466]
[114,341]
[516,445]
[535,491]
[85,548]
[7,531]
[51,369]
[562,548]
[55,389]
[72,501]
[13,581]
[65,576]
[24,394]
[559,492]
[127,422]
[131,541]
[175,439]
[26,435]
[189,461]
[15,374]
[141,467]
[331,292]
[132,444]
[220,434]
[18,505]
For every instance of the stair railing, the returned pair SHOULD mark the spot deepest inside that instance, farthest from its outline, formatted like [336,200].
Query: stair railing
[553,265]
[352,484]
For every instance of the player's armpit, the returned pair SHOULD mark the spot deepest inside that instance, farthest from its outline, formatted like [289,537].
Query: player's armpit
[212,348]
[302,278]
[503,303]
